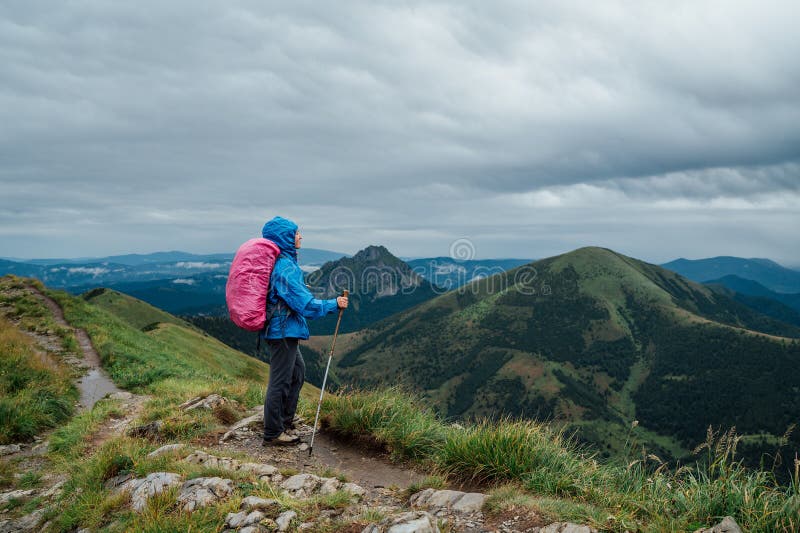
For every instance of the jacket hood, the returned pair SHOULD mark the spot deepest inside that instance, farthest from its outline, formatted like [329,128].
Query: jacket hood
[281,231]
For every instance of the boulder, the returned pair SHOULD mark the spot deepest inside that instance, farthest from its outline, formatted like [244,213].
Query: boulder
[727,525]
[301,485]
[208,402]
[148,431]
[254,503]
[143,489]
[354,490]
[29,522]
[8,449]
[242,428]
[285,519]
[204,491]
[122,395]
[471,502]
[15,495]
[452,499]
[167,448]
[414,522]
[243,518]
[264,472]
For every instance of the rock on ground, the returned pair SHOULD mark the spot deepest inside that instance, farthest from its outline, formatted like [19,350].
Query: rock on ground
[208,402]
[264,471]
[414,522]
[464,502]
[29,522]
[204,491]
[243,428]
[167,448]
[147,431]
[243,518]
[8,449]
[285,519]
[143,489]
[15,495]
[727,525]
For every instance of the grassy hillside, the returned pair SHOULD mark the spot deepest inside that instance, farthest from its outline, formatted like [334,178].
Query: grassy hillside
[36,388]
[531,465]
[537,466]
[596,340]
[135,312]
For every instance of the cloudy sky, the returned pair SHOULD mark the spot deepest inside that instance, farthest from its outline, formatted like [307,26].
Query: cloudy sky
[657,129]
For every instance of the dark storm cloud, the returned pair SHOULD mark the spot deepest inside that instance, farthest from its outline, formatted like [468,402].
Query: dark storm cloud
[184,124]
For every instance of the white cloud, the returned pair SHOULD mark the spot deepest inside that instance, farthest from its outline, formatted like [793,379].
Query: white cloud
[199,264]
[183,281]
[94,271]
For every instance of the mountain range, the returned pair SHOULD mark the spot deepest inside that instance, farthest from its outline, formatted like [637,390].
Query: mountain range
[596,340]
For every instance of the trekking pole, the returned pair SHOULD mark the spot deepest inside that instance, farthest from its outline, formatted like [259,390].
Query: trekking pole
[345,293]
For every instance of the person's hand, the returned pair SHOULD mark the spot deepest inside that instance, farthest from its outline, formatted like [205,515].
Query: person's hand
[341,301]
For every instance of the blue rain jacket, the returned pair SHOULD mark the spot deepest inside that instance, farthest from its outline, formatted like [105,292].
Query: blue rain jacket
[288,295]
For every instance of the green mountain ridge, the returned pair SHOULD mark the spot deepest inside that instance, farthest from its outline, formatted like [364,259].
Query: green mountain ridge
[594,339]
[380,285]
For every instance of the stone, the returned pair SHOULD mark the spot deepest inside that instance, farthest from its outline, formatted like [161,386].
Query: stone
[235,520]
[116,481]
[143,489]
[121,395]
[243,518]
[471,502]
[147,431]
[303,447]
[285,519]
[420,499]
[15,495]
[727,525]
[208,402]
[329,486]
[301,484]
[444,498]
[305,525]
[415,522]
[354,490]
[167,448]
[259,469]
[8,449]
[250,529]
[54,490]
[252,503]
[255,421]
[204,491]
[28,522]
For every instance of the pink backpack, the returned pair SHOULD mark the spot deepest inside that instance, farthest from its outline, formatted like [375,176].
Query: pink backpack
[248,283]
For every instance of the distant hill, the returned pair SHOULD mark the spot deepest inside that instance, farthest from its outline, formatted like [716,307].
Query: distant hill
[380,285]
[780,306]
[594,339]
[766,272]
[78,275]
[450,273]
[310,256]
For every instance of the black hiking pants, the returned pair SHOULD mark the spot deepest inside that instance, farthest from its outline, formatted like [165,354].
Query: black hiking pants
[287,371]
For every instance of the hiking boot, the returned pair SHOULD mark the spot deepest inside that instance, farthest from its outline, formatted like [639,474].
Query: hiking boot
[281,440]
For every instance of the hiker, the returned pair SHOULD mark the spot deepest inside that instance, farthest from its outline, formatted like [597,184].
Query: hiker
[292,303]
